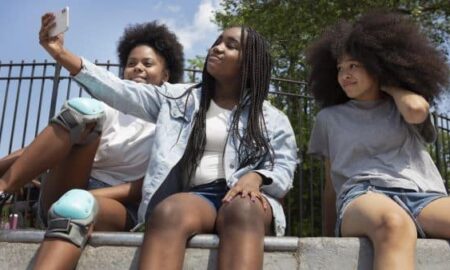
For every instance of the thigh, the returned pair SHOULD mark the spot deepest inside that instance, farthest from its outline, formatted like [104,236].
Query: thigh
[72,172]
[368,212]
[112,216]
[435,218]
[186,211]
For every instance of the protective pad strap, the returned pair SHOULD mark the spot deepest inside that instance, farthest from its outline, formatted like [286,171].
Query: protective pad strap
[65,229]
[71,216]
[76,113]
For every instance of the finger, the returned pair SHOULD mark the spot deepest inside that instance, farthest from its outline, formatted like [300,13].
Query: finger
[231,194]
[263,201]
[244,193]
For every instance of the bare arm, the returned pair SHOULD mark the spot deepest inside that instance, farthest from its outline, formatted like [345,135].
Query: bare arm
[329,203]
[413,107]
[55,46]
[128,192]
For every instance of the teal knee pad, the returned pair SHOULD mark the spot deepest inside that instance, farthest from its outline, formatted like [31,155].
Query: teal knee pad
[71,216]
[76,113]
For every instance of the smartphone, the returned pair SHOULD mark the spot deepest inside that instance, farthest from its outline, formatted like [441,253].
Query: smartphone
[62,22]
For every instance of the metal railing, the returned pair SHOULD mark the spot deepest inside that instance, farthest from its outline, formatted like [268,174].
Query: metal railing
[31,93]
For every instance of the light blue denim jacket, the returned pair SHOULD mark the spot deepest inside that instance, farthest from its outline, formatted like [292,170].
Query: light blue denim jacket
[173,118]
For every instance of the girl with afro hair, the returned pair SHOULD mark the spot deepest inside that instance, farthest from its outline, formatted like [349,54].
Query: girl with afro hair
[374,81]
[112,162]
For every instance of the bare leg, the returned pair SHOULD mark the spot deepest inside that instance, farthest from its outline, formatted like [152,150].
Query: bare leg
[171,224]
[112,216]
[49,147]
[435,218]
[388,226]
[57,254]
[241,225]
[7,161]
[72,171]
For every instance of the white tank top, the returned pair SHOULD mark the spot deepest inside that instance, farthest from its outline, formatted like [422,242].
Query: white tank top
[210,167]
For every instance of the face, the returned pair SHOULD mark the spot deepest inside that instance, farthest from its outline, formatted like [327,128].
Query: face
[356,82]
[224,58]
[144,65]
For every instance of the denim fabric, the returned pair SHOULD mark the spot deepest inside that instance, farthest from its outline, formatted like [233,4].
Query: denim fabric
[411,201]
[174,118]
[212,192]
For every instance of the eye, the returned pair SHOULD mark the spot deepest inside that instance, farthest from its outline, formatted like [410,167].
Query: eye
[232,45]
[354,65]
[131,63]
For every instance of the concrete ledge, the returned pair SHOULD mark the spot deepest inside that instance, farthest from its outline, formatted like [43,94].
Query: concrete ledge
[120,251]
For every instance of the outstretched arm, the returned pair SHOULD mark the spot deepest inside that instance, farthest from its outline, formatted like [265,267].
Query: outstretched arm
[55,46]
[413,107]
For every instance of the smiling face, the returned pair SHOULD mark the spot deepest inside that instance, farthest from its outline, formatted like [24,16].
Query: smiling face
[355,81]
[144,65]
[224,57]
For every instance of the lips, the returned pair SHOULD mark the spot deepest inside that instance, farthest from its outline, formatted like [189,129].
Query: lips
[345,84]
[214,58]
[139,80]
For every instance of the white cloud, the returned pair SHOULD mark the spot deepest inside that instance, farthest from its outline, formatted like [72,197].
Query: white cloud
[197,35]
[174,8]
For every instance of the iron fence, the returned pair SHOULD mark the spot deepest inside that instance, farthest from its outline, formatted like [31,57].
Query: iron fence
[31,93]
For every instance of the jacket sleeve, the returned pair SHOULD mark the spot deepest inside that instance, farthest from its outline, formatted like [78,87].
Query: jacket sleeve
[141,100]
[279,177]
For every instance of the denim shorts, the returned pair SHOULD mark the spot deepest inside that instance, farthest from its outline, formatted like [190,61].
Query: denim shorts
[212,192]
[411,201]
[132,209]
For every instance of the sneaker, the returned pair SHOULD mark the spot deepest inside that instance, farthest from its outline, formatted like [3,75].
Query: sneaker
[4,197]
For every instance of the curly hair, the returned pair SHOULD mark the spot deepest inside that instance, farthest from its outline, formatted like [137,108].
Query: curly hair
[157,36]
[389,45]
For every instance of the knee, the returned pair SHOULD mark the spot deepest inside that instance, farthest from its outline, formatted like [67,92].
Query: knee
[395,226]
[241,213]
[169,215]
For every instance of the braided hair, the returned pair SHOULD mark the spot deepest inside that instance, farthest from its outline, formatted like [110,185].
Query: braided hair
[250,144]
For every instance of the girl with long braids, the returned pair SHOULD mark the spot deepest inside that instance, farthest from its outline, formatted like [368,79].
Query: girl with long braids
[374,80]
[222,156]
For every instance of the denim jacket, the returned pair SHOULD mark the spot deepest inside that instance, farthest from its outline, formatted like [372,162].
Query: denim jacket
[174,119]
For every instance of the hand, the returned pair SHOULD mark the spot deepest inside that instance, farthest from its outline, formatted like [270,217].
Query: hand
[53,45]
[248,185]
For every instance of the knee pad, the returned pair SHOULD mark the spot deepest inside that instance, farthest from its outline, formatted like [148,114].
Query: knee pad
[71,216]
[76,113]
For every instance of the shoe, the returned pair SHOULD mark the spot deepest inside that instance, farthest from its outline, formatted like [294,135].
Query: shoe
[4,197]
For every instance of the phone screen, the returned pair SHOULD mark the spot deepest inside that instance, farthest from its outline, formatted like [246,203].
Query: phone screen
[62,22]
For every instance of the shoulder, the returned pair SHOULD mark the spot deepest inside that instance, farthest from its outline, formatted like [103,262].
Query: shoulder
[178,90]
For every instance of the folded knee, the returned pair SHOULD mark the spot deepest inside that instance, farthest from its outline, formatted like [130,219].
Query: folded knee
[168,215]
[70,218]
[395,226]
[242,213]
[82,117]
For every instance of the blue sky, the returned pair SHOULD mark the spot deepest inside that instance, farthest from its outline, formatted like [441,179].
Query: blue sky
[95,26]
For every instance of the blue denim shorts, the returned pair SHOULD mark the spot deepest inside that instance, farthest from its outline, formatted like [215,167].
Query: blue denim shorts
[212,192]
[411,201]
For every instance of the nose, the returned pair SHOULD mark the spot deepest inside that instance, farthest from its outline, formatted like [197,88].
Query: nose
[218,48]
[138,67]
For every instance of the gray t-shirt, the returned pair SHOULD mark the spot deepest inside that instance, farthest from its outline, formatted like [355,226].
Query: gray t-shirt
[370,141]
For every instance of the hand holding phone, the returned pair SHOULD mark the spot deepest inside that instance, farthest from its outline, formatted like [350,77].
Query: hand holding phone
[61,22]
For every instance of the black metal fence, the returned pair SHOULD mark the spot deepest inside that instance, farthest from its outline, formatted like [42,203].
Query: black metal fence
[31,93]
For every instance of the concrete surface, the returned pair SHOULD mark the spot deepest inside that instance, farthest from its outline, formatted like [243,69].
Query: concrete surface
[120,251]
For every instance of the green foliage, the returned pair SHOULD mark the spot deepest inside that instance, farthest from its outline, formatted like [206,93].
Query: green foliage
[195,66]
[290,26]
